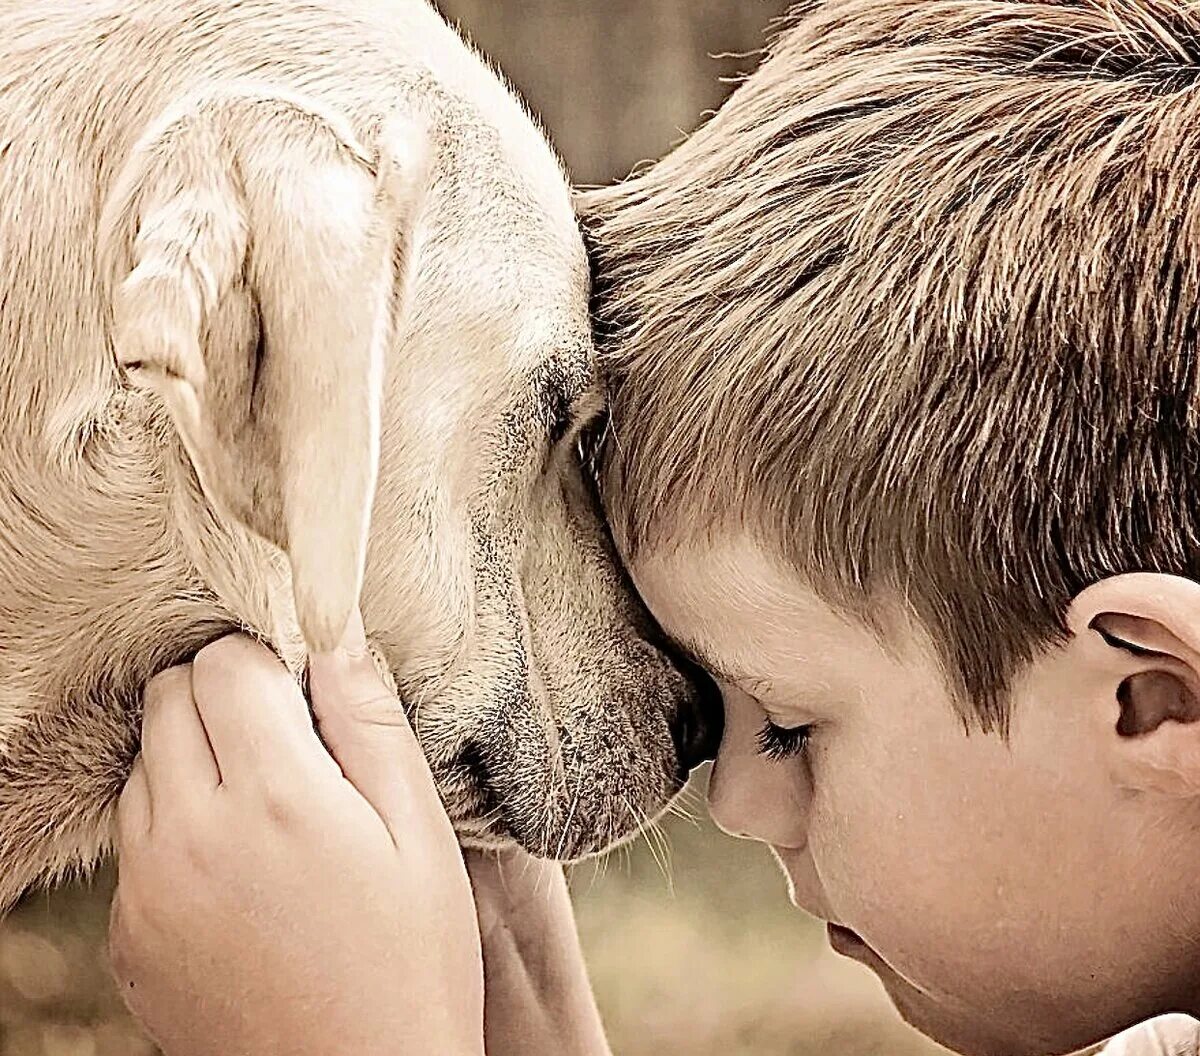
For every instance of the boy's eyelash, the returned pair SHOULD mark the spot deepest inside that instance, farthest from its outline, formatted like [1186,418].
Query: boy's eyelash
[778,743]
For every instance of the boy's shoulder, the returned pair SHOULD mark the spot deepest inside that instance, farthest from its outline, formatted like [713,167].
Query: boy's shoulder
[1166,1036]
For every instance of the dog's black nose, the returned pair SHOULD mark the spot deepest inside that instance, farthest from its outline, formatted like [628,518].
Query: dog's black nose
[701,720]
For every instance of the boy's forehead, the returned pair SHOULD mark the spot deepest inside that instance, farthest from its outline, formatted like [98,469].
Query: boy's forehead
[741,614]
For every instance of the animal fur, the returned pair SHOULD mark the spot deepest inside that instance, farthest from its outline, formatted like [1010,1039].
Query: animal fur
[293,307]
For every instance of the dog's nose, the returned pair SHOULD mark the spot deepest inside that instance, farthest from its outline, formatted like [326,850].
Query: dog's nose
[700,722]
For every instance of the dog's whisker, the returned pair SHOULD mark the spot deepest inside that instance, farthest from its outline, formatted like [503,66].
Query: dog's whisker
[566,829]
[656,833]
[651,836]
[656,836]
[599,870]
[687,805]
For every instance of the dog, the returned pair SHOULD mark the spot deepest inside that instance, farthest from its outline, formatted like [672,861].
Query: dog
[293,312]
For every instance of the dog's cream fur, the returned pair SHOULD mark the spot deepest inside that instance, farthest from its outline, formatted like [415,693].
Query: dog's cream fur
[293,305]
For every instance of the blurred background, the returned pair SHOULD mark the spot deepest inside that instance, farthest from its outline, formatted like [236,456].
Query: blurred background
[693,947]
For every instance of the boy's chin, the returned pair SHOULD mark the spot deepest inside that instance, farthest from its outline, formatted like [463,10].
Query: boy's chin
[970,1035]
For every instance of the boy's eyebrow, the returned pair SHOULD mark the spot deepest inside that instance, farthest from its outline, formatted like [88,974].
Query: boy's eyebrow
[698,654]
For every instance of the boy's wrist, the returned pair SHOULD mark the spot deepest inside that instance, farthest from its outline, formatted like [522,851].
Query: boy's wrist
[538,999]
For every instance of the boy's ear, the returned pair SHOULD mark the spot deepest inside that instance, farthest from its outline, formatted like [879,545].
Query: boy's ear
[252,249]
[1143,631]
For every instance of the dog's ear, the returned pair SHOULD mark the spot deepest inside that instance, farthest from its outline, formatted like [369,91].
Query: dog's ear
[256,254]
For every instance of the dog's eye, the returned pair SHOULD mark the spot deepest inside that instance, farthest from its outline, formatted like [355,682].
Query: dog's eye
[566,395]
[591,443]
[559,416]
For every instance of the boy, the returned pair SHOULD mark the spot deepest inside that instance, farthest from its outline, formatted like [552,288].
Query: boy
[904,431]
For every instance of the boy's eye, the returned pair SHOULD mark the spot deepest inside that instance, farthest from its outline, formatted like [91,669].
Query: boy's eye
[778,743]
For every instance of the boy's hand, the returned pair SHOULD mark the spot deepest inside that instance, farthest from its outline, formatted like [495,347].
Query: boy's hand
[271,900]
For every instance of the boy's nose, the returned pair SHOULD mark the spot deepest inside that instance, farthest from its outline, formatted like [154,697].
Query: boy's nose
[754,810]
[750,796]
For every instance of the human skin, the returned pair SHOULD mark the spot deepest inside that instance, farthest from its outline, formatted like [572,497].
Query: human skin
[1032,894]
[1028,895]
[538,1001]
[278,897]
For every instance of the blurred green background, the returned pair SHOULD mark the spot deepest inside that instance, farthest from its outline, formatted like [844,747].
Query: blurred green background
[693,947]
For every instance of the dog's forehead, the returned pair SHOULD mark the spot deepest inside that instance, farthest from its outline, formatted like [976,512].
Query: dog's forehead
[522,306]
[493,244]
[505,213]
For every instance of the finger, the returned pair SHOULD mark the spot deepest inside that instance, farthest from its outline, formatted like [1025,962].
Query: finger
[253,712]
[134,811]
[121,959]
[367,732]
[116,938]
[179,759]
[510,883]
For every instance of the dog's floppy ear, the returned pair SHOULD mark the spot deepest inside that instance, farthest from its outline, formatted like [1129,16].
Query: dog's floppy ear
[255,252]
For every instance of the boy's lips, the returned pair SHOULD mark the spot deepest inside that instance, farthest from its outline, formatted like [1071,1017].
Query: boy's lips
[911,1000]
[811,900]
[843,940]
[850,944]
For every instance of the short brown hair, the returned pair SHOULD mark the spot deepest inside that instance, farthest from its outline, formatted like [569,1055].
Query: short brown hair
[918,308]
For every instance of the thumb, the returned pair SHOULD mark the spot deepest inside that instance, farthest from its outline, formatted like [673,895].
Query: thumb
[366,731]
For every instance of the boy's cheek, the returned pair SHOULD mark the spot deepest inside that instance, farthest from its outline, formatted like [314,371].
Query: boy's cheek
[948,899]
[905,876]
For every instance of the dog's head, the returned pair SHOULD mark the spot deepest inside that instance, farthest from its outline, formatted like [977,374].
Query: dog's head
[542,691]
[379,359]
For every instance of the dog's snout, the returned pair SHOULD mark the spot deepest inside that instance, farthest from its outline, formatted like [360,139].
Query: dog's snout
[700,721]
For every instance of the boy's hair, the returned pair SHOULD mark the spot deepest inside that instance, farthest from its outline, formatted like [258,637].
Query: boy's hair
[917,308]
